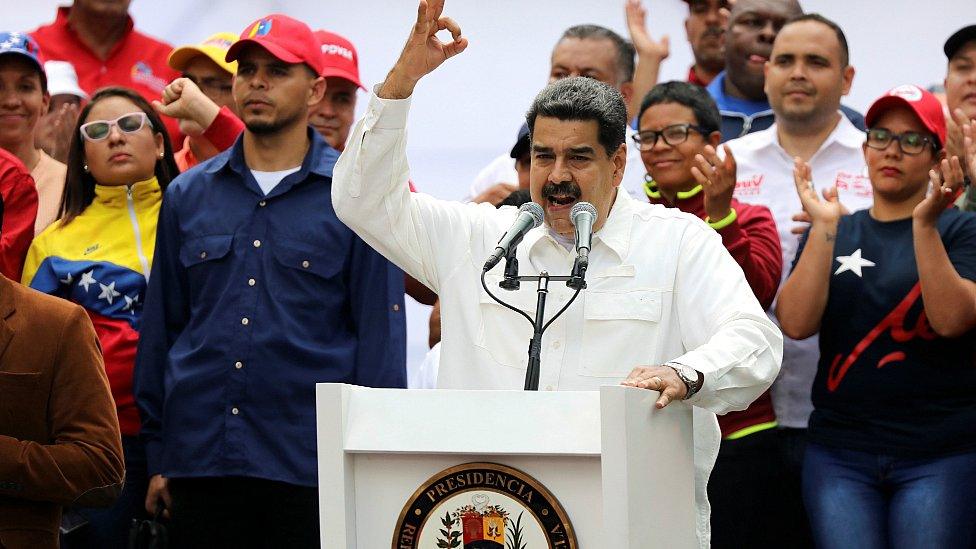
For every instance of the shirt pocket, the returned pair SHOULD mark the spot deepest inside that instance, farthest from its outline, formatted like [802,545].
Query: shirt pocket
[305,258]
[22,405]
[627,321]
[204,249]
[505,334]
[204,258]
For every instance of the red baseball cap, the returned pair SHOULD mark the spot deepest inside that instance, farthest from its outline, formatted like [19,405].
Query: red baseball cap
[926,107]
[340,57]
[287,39]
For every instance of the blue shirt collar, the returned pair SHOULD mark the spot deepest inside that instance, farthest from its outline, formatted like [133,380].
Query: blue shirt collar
[320,158]
[732,104]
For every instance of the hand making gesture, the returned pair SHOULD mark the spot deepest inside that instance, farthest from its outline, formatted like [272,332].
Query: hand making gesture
[423,51]
[717,178]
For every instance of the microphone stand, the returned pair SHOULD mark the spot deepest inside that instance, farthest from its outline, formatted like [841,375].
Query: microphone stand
[512,281]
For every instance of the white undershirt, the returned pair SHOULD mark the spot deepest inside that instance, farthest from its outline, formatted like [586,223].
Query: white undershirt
[269,180]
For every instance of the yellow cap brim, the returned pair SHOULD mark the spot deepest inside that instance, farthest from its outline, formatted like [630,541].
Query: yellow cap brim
[180,57]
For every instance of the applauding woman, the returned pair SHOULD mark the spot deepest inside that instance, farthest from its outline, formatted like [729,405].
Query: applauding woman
[99,255]
[892,454]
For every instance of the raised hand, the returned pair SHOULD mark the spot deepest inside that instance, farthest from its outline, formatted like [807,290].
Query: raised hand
[183,100]
[945,183]
[969,149]
[717,178]
[62,130]
[423,51]
[637,28]
[828,211]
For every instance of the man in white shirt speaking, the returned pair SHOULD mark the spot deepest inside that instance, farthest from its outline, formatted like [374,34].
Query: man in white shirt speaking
[663,295]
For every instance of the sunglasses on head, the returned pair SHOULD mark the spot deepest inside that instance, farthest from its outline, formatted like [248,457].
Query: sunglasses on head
[132,122]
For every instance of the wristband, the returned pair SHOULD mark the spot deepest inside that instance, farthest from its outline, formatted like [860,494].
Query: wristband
[724,222]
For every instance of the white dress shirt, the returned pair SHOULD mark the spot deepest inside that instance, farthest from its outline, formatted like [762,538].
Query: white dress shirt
[502,170]
[765,176]
[661,287]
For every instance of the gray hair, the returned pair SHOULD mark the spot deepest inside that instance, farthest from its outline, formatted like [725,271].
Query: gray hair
[583,99]
[625,50]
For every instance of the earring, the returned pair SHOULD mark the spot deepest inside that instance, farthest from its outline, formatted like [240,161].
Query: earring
[85,167]
[162,154]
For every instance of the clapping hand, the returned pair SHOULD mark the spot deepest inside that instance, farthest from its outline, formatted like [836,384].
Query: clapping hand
[945,183]
[828,211]
[717,178]
[424,51]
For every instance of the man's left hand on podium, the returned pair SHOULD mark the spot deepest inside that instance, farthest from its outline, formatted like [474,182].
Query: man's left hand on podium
[658,378]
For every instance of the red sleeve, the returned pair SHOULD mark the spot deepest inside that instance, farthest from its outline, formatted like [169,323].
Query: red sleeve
[753,241]
[19,214]
[223,131]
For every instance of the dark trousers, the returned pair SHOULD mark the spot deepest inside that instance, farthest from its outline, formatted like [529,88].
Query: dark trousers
[754,491]
[243,513]
[877,501]
[108,528]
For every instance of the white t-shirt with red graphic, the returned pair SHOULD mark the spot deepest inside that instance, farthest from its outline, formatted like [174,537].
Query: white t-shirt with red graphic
[765,176]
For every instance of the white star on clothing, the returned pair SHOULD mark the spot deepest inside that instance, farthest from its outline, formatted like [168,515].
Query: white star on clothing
[108,292]
[129,302]
[87,280]
[853,263]
[67,280]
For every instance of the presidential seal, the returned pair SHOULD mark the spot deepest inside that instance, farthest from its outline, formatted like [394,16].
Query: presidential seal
[483,506]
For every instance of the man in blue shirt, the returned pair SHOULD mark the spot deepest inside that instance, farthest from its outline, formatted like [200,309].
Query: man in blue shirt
[258,292]
[739,90]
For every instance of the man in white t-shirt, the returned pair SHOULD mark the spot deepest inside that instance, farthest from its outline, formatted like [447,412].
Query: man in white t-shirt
[583,50]
[807,74]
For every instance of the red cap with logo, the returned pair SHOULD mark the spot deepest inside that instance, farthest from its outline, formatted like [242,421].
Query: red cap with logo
[341,59]
[285,38]
[926,107]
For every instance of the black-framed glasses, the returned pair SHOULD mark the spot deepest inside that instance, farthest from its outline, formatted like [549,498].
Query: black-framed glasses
[674,134]
[132,122]
[909,142]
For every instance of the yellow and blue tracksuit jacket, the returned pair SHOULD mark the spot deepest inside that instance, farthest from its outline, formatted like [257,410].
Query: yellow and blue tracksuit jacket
[101,261]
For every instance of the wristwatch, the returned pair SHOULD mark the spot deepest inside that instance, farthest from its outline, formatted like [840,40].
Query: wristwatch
[692,378]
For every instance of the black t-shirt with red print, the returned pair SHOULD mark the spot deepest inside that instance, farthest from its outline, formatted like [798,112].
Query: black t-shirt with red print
[886,383]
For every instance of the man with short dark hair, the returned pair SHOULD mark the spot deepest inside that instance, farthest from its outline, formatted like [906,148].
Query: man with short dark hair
[960,94]
[257,293]
[705,29]
[807,75]
[739,90]
[661,278]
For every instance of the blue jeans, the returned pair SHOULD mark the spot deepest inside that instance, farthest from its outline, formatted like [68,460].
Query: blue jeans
[876,501]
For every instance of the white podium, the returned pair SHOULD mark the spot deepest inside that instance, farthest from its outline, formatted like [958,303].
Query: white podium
[622,471]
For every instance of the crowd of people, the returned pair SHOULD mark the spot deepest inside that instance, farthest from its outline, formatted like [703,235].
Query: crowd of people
[216,234]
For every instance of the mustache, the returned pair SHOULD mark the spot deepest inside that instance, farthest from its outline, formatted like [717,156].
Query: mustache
[569,188]
[713,31]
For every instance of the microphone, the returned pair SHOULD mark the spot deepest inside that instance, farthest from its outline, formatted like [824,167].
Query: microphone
[529,217]
[583,216]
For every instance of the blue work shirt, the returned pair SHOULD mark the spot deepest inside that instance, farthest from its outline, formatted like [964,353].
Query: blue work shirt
[253,300]
[743,116]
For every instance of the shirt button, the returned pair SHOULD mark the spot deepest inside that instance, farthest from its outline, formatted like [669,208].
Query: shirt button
[235,411]
[396,307]
[257,243]
[555,344]
[238,364]
[245,321]
[203,255]
[262,203]
[251,282]
[305,264]
[548,387]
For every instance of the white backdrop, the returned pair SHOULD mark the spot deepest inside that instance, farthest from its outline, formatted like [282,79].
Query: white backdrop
[469,111]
